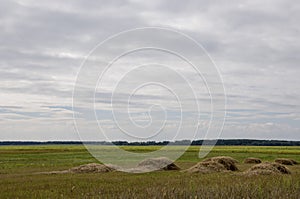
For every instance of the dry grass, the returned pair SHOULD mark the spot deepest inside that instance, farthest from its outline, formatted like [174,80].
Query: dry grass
[252,161]
[206,167]
[267,168]
[86,168]
[285,161]
[214,164]
[91,168]
[161,163]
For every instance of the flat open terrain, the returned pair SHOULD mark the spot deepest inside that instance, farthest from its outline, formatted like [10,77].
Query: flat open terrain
[19,165]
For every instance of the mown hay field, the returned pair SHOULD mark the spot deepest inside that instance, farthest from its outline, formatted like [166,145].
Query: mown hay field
[21,177]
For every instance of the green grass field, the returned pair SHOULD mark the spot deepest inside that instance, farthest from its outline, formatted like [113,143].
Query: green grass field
[19,165]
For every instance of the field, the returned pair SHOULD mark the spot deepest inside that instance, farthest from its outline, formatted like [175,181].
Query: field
[19,166]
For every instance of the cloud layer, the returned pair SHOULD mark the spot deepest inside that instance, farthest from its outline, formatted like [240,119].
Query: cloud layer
[255,44]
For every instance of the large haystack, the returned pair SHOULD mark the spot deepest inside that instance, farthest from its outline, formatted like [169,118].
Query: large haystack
[267,168]
[252,161]
[285,161]
[215,164]
[91,168]
[226,161]
[161,163]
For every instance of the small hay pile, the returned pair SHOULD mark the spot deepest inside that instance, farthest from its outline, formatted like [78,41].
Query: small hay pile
[91,168]
[215,164]
[86,168]
[252,161]
[285,161]
[267,168]
[161,163]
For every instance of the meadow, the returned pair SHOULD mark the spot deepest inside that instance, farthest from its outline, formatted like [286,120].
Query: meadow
[20,178]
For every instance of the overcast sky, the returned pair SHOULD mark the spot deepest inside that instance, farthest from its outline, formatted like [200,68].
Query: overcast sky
[255,44]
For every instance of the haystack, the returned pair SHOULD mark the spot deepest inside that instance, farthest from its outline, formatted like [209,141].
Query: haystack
[252,161]
[285,161]
[206,167]
[267,168]
[161,163]
[86,168]
[91,168]
[215,164]
[226,161]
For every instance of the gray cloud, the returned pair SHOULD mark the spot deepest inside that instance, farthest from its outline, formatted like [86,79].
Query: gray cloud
[255,44]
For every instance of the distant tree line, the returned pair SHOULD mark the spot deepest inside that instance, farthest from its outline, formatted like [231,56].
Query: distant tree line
[220,142]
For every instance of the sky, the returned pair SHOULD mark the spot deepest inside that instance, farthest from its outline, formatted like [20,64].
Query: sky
[251,47]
